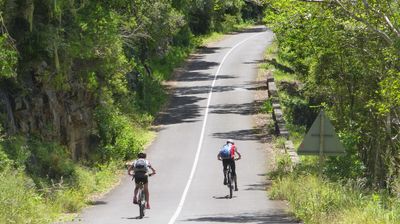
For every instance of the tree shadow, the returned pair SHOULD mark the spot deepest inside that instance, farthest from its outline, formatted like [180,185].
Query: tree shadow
[240,135]
[259,218]
[256,88]
[208,50]
[180,109]
[256,187]
[193,90]
[257,29]
[254,62]
[242,109]
[280,66]
[193,76]
[197,64]
[97,202]
[200,65]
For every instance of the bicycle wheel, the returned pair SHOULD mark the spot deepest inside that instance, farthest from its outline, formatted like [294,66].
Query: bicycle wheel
[229,177]
[141,203]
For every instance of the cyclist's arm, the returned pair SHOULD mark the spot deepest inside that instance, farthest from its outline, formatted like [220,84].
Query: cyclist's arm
[153,171]
[219,157]
[238,153]
[130,169]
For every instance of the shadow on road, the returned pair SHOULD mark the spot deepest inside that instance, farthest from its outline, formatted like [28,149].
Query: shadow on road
[182,105]
[256,187]
[97,202]
[224,197]
[181,109]
[240,135]
[195,76]
[208,50]
[137,217]
[258,218]
[254,62]
[257,29]
[242,108]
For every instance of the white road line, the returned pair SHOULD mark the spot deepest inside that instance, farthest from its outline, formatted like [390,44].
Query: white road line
[196,159]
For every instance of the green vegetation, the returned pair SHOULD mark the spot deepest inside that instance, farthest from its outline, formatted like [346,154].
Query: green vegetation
[339,56]
[80,86]
[55,184]
[316,200]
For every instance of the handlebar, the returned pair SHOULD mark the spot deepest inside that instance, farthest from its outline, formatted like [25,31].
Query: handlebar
[149,175]
[233,159]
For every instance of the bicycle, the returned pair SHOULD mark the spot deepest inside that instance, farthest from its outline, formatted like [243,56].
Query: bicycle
[230,179]
[141,198]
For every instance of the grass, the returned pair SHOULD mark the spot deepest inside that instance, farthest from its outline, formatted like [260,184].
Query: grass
[34,199]
[19,200]
[316,200]
[280,76]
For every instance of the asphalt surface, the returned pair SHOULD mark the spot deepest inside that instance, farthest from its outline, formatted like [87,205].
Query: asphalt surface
[213,101]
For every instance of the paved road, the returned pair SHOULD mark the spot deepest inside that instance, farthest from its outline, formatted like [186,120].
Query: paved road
[213,101]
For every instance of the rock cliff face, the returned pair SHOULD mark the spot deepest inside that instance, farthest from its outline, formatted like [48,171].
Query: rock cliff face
[61,116]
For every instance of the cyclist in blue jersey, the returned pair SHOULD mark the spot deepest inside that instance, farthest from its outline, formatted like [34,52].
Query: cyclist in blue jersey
[230,159]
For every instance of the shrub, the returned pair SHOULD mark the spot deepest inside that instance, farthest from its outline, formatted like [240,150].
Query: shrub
[267,106]
[283,165]
[19,203]
[4,161]
[68,200]
[49,159]
[120,137]
[348,166]
[17,149]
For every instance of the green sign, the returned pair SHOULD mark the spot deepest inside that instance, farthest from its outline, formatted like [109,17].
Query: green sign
[321,139]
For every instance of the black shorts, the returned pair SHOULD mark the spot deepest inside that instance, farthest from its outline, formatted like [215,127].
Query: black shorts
[141,177]
[225,163]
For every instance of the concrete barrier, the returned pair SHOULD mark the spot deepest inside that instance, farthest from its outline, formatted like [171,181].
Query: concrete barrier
[280,124]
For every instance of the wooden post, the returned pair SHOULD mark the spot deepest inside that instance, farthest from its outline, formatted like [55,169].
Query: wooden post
[321,143]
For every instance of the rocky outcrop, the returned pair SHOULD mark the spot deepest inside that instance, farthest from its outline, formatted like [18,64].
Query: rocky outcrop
[66,117]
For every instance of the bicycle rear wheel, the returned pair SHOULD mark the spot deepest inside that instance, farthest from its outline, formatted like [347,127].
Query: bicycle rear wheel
[141,203]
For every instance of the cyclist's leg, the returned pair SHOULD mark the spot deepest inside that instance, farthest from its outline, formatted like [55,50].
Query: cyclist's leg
[135,194]
[147,195]
[146,192]
[233,165]
[225,167]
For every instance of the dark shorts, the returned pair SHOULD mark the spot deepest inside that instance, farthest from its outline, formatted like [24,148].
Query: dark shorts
[225,163]
[141,177]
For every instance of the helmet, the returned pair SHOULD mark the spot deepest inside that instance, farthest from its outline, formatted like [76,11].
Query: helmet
[230,141]
[141,155]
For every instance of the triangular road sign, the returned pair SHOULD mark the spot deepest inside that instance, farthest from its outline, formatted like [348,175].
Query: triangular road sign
[321,139]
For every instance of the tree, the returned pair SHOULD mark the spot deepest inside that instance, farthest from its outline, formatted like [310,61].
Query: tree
[345,53]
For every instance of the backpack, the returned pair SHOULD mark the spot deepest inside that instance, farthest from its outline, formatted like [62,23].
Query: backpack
[140,165]
[225,151]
